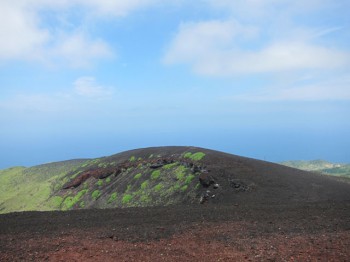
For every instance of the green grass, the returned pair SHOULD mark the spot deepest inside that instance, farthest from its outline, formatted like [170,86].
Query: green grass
[180,172]
[169,166]
[195,157]
[70,201]
[144,185]
[112,198]
[126,198]
[188,155]
[184,188]
[25,189]
[158,187]
[145,199]
[155,174]
[138,176]
[96,194]
[56,202]
[189,179]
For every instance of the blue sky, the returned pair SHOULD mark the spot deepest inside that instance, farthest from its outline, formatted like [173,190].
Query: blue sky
[87,78]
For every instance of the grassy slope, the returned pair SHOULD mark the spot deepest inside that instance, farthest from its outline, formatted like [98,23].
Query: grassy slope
[324,167]
[23,189]
[40,187]
[136,186]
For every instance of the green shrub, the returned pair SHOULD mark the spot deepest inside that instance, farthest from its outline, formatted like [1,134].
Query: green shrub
[158,187]
[108,179]
[144,185]
[96,194]
[112,198]
[138,176]
[100,182]
[184,188]
[188,155]
[80,194]
[169,166]
[180,173]
[145,199]
[155,174]
[189,179]
[68,202]
[132,159]
[197,156]
[82,204]
[126,198]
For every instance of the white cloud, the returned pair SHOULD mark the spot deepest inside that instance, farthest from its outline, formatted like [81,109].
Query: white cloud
[25,35]
[20,35]
[115,7]
[218,48]
[88,87]
[78,50]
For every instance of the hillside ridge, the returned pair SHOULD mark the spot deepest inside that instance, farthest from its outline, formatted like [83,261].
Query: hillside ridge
[161,176]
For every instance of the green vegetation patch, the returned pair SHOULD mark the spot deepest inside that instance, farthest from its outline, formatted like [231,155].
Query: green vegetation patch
[158,187]
[96,194]
[126,198]
[184,188]
[169,166]
[145,199]
[180,173]
[56,201]
[108,180]
[112,198]
[189,179]
[195,157]
[155,174]
[100,182]
[188,155]
[132,159]
[138,176]
[70,201]
[144,185]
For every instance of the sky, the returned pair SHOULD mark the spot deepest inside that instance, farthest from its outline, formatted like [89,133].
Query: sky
[267,79]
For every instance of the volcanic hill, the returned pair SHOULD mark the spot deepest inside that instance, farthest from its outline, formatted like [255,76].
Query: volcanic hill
[184,204]
[162,176]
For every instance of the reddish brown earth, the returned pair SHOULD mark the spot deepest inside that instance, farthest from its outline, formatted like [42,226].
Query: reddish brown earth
[318,231]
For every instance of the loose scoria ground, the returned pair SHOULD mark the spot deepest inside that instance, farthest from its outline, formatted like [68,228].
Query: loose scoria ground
[278,232]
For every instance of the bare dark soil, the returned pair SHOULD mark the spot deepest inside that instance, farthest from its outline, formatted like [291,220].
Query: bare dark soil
[279,232]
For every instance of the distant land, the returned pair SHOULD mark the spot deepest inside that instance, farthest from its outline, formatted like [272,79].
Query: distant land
[320,166]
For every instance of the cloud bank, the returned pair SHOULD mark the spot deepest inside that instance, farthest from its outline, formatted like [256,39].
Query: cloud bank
[25,35]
